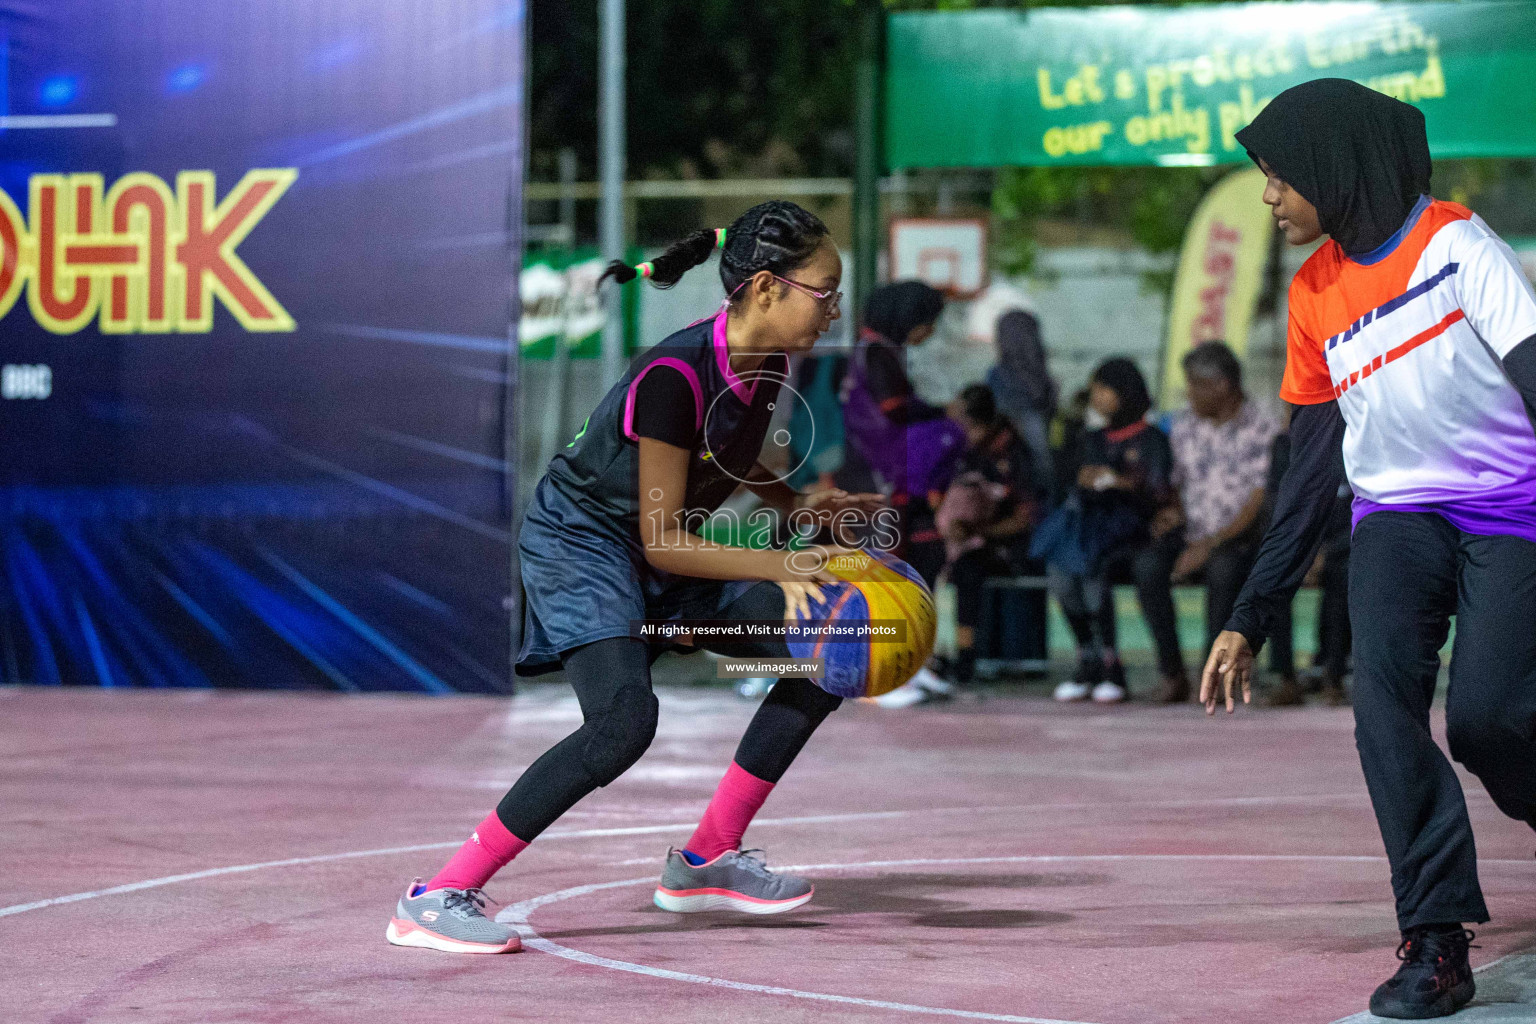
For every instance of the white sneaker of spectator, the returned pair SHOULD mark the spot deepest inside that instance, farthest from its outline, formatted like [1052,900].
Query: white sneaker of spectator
[1071,689]
[934,683]
[903,696]
[1108,693]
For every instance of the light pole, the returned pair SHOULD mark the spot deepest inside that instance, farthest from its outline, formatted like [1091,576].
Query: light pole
[610,145]
[866,175]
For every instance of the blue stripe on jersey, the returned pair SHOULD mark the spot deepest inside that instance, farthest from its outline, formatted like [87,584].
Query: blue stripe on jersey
[1424,287]
[1388,247]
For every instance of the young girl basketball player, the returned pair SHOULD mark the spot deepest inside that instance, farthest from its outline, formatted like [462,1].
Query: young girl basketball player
[1413,345]
[605,544]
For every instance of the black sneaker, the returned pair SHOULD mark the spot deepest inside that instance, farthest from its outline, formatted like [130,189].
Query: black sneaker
[1435,979]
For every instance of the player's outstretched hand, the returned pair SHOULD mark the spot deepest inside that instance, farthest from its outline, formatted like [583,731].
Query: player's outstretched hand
[828,503]
[1231,662]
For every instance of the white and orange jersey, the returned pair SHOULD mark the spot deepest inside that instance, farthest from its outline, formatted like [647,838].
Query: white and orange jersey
[1409,339]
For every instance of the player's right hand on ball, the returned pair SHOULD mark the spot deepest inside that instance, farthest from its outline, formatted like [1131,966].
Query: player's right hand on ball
[1230,663]
[804,570]
[813,564]
[797,600]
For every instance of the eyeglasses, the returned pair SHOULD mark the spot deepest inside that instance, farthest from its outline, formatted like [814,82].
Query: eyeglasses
[831,301]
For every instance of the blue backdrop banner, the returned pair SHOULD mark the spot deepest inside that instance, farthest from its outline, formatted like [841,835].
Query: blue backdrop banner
[257,282]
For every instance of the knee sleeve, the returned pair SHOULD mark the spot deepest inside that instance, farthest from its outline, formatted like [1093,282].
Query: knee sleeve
[619,735]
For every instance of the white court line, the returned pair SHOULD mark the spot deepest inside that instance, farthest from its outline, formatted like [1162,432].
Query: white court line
[638,830]
[518,914]
[587,833]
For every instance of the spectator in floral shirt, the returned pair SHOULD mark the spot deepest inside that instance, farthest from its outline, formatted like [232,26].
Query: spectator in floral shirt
[1221,450]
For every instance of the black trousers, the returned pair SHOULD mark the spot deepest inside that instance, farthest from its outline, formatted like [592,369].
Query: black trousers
[1281,648]
[969,574]
[1409,572]
[1334,639]
[612,680]
[1223,575]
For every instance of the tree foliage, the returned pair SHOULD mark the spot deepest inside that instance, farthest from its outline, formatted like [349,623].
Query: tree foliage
[1153,203]
[722,88]
[716,88]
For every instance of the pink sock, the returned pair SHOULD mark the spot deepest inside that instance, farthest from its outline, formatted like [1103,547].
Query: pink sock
[738,797]
[488,849]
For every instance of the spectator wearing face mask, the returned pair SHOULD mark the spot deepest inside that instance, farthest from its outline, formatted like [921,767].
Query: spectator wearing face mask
[1123,481]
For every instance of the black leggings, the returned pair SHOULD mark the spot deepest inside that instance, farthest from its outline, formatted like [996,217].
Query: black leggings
[612,680]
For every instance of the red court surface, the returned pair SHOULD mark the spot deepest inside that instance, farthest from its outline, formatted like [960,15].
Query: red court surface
[198,857]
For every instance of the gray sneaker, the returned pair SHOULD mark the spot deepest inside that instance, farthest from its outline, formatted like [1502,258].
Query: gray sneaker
[450,920]
[735,880]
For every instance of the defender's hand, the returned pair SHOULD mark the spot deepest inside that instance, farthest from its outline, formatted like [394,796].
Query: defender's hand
[1231,661]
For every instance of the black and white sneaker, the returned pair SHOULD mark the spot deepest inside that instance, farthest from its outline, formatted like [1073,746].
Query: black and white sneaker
[1435,979]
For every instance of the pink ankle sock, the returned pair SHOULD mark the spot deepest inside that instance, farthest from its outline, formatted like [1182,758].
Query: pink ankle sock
[488,849]
[738,797]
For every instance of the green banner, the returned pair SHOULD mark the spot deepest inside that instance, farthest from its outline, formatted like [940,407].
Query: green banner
[1170,86]
[560,300]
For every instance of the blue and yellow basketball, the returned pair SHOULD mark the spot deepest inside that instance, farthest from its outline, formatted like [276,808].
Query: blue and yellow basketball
[866,662]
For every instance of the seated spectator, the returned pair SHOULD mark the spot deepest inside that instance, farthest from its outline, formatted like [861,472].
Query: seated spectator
[909,445]
[986,514]
[1221,453]
[1123,481]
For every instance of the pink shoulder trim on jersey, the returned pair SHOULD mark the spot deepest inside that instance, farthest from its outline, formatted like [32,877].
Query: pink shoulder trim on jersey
[723,359]
[693,382]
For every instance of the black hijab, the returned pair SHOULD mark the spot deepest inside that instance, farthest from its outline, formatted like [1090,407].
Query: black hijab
[1020,377]
[894,309]
[1121,376]
[1360,157]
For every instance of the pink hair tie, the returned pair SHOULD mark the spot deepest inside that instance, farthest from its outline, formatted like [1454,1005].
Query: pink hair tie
[719,238]
[645,270]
